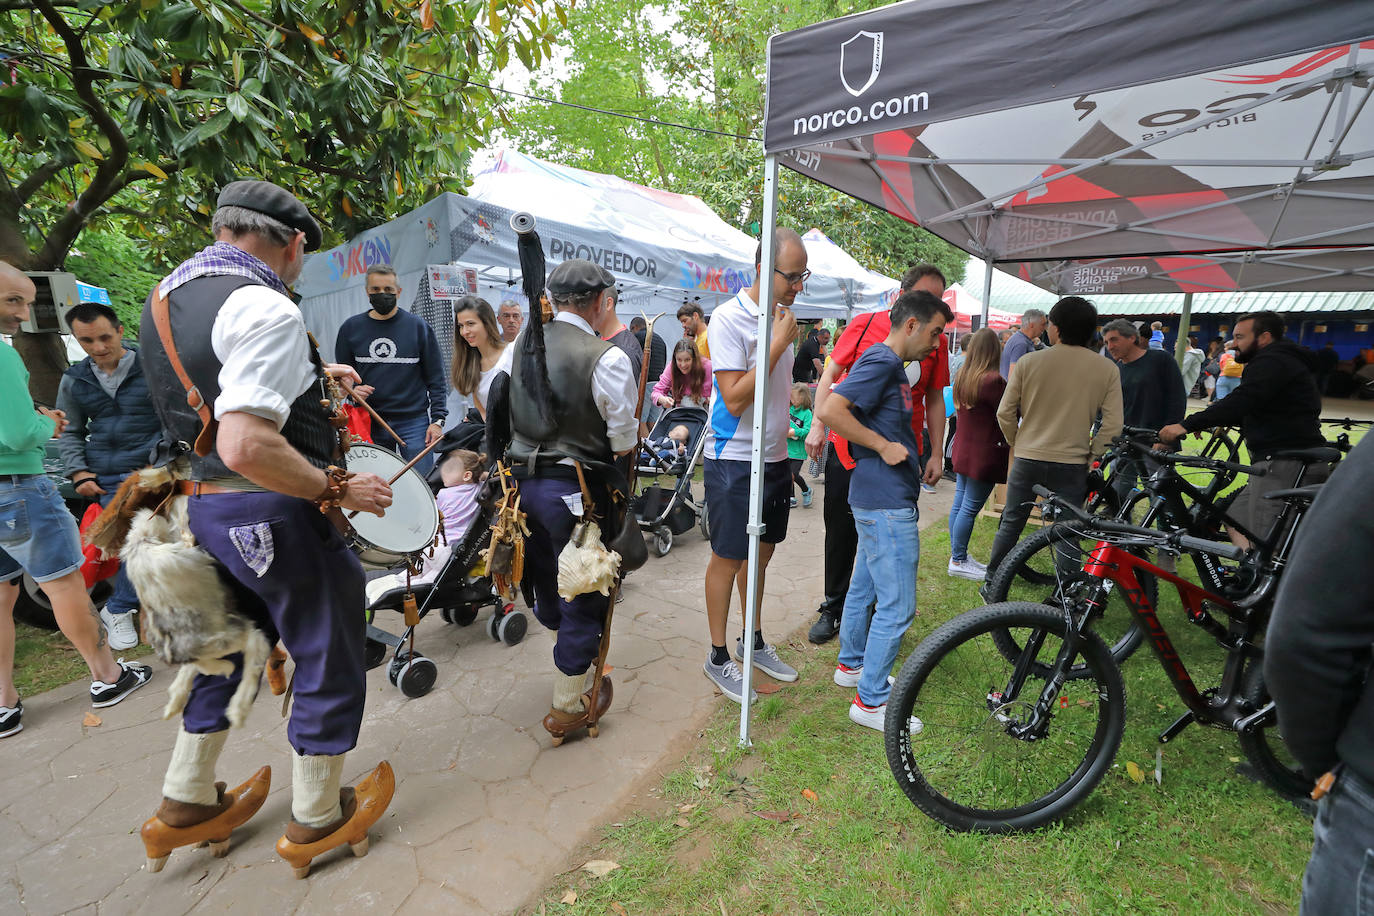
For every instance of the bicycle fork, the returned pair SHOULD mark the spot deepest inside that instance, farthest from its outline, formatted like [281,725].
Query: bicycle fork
[1037,722]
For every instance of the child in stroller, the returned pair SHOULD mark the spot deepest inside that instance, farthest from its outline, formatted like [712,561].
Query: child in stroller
[674,448]
[454,580]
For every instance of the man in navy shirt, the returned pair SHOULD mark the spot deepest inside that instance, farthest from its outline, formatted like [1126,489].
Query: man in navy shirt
[397,356]
[872,409]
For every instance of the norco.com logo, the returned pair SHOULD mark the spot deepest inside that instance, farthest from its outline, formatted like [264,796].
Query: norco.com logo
[861,60]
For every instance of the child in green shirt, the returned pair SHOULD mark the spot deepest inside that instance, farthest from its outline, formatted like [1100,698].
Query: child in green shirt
[798,423]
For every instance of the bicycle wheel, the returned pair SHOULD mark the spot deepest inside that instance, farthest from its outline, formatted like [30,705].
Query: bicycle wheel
[1037,553]
[964,742]
[1264,747]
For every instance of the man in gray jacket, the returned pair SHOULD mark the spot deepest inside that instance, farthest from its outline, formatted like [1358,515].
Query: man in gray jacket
[111,429]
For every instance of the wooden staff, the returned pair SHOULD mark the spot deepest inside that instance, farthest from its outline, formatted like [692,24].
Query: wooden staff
[348,387]
[604,647]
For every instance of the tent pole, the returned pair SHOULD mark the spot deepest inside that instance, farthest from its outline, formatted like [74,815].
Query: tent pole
[987,289]
[761,373]
[1185,317]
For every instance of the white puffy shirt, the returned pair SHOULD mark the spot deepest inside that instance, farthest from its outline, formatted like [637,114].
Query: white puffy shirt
[260,340]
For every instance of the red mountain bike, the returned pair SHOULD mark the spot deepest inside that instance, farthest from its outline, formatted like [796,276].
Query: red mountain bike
[1007,716]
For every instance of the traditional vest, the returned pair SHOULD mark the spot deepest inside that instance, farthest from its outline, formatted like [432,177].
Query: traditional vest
[193,307]
[579,430]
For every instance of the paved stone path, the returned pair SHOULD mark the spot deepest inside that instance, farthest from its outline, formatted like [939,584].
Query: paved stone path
[486,810]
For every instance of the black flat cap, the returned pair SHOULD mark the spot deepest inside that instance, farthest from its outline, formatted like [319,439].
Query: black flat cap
[277,202]
[578,276]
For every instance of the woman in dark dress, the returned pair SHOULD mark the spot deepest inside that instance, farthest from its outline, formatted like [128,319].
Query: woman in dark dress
[980,452]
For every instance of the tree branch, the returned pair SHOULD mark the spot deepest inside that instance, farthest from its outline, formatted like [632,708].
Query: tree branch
[37,178]
[106,180]
[290,33]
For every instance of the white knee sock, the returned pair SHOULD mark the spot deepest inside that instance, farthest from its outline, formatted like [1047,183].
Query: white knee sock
[191,772]
[315,789]
[567,691]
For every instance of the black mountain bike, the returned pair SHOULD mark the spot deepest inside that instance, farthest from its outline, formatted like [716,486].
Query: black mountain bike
[982,741]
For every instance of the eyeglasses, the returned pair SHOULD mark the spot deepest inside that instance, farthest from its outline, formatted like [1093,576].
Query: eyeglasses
[794,279]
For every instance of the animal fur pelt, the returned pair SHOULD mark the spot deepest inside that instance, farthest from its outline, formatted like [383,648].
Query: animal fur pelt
[147,488]
[189,616]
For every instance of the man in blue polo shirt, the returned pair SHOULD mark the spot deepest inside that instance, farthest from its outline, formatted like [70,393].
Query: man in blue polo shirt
[729,448]
[872,409]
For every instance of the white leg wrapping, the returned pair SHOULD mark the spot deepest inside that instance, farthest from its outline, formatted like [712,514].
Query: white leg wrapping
[191,772]
[567,691]
[315,789]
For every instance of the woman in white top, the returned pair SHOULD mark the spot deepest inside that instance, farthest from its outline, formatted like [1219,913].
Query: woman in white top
[477,351]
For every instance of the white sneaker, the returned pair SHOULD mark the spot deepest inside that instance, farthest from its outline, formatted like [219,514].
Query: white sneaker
[846,676]
[967,570]
[868,716]
[120,627]
[981,567]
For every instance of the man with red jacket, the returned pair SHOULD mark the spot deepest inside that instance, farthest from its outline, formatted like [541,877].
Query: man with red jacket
[928,401]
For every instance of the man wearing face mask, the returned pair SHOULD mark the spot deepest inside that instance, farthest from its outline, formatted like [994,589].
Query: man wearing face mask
[397,355]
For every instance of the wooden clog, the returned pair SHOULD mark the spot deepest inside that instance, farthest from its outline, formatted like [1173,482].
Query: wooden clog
[233,809]
[300,845]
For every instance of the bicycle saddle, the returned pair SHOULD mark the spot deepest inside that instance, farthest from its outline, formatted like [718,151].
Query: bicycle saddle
[1319,455]
[1307,493]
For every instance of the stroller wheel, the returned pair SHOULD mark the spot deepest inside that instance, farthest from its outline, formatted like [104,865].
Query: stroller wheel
[416,677]
[663,540]
[512,628]
[374,653]
[465,614]
[446,614]
[704,524]
[493,622]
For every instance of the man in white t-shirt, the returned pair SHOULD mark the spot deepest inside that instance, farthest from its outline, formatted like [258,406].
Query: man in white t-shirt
[729,446]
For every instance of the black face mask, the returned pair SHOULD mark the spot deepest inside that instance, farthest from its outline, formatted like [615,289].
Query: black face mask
[382,303]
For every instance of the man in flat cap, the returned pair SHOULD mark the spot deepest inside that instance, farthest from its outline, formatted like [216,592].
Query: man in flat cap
[220,334]
[593,390]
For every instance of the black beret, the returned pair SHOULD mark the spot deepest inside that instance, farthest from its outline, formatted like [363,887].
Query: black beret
[578,276]
[277,202]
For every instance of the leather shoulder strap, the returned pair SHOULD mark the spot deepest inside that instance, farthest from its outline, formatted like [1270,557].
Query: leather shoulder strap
[162,320]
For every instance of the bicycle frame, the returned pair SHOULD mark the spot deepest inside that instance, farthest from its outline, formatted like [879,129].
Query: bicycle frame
[1110,562]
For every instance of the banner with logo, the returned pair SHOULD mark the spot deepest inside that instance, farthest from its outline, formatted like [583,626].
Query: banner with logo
[1089,145]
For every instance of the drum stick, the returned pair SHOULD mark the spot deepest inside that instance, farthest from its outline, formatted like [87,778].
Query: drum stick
[410,464]
[348,387]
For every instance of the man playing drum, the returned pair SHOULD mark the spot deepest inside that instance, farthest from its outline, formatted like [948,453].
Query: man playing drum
[594,392]
[255,503]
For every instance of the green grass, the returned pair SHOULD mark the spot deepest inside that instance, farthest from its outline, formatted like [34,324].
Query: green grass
[1207,840]
[44,659]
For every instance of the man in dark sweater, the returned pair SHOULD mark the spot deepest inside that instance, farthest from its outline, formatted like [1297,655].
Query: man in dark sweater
[1152,394]
[1317,669]
[397,356]
[1277,408]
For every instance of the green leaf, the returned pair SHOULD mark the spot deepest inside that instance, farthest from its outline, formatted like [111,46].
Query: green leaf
[237,105]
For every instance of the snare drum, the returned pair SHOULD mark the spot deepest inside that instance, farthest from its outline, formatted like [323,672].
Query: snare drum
[410,523]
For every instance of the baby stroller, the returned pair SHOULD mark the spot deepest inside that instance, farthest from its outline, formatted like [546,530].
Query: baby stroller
[670,511]
[460,590]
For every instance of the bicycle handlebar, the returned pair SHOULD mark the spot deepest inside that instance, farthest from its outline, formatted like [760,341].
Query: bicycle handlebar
[1110,526]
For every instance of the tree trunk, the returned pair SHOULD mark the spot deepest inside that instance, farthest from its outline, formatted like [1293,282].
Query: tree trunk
[46,358]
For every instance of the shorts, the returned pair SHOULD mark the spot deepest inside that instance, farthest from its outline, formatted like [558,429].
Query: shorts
[37,533]
[1258,514]
[727,502]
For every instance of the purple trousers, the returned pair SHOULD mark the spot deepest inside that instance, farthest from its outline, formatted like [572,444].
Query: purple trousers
[293,575]
[580,620]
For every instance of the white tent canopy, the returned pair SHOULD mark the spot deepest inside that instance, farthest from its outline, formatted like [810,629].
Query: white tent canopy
[663,248]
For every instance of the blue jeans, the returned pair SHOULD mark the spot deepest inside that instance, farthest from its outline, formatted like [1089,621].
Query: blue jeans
[37,533]
[885,572]
[969,496]
[1225,385]
[412,429]
[1340,874]
[123,599]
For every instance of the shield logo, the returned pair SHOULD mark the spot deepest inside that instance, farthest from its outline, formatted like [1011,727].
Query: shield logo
[861,59]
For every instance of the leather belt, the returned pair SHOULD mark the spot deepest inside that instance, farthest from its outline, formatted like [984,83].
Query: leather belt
[200,488]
